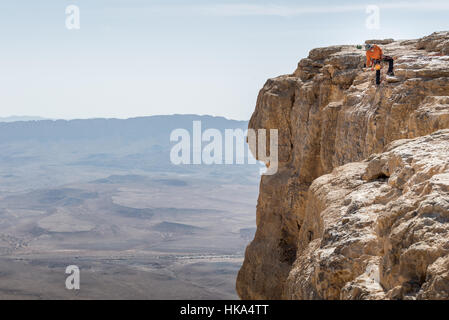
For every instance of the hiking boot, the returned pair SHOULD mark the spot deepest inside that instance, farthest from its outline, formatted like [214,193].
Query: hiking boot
[391,74]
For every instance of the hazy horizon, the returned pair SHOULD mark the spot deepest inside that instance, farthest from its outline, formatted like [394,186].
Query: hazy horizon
[14,118]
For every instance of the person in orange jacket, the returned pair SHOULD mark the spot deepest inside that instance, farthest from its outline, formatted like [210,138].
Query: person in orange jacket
[373,53]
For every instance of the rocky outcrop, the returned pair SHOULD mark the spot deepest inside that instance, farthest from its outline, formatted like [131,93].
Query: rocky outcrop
[355,211]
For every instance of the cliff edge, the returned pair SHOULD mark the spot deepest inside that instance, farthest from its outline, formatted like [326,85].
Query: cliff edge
[359,208]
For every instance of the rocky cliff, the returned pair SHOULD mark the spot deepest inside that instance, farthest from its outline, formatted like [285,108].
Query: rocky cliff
[359,208]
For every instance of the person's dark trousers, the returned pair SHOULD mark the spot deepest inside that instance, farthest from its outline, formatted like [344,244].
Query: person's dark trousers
[390,61]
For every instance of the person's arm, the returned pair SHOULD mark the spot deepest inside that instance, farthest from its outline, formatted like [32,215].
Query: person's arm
[368,60]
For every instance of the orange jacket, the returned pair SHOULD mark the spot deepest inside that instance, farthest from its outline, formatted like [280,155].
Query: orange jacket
[375,53]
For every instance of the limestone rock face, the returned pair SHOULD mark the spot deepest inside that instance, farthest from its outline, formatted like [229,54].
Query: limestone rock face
[438,41]
[359,208]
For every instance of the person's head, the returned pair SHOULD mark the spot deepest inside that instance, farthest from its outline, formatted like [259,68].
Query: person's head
[368,46]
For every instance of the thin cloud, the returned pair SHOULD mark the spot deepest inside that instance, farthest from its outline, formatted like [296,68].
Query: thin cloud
[295,10]
[272,10]
[249,9]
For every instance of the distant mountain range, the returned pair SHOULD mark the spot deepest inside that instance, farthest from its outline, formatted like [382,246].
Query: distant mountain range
[21,118]
[52,152]
[153,129]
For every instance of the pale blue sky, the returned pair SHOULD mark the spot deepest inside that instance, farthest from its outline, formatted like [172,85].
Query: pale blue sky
[137,58]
